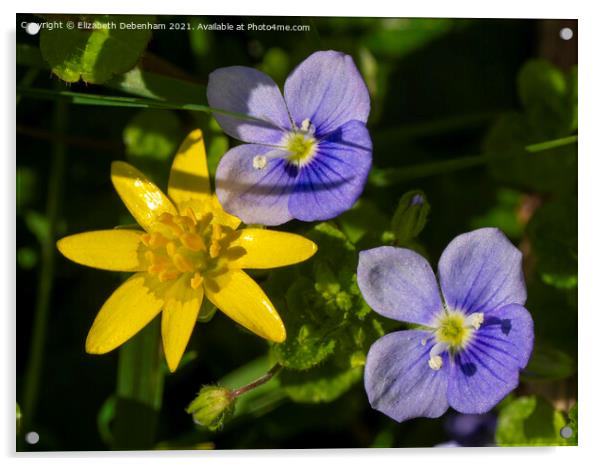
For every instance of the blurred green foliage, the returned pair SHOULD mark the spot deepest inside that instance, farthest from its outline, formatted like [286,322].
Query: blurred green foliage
[439,96]
[553,231]
[97,51]
[530,421]
[549,111]
[548,363]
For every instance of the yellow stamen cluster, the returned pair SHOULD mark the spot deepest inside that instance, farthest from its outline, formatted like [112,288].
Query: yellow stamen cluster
[301,144]
[182,246]
[453,332]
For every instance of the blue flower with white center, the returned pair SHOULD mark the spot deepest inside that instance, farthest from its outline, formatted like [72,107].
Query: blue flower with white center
[308,153]
[474,334]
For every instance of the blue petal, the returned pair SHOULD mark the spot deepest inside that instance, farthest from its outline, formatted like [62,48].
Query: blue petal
[250,92]
[488,369]
[481,271]
[327,89]
[334,179]
[399,284]
[254,195]
[399,381]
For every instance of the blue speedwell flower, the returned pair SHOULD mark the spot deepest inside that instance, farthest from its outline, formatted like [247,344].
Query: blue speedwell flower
[308,153]
[474,334]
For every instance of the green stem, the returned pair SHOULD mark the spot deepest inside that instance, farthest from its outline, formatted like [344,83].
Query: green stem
[552,144]
[140,379]
[40,320]
[80,98]
[256,383]
[391,176]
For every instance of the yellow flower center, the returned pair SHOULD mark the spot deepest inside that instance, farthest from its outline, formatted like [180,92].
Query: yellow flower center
[453,331]
[301,144]
[181,245]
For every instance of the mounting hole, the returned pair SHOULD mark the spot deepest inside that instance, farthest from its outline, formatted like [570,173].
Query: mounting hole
[32,28]
[566,33]
[566,432]
[32,438]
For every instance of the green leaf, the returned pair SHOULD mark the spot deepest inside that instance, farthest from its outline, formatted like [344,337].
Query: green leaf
[97,54]
[330,328]
[556,170]
[548,363]
[308,341]
[137,81]
[320,385]
[410,216]
[553,233]
[549,99]
[529,421]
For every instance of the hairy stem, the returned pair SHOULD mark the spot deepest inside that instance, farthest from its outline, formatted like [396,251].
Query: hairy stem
[256,383]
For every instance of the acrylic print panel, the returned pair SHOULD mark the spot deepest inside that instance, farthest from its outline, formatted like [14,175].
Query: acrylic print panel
[286,232]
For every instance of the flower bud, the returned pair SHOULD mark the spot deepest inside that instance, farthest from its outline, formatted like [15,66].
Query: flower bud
[212,407]
[410,216]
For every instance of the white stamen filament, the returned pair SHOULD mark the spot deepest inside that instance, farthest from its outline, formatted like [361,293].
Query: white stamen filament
[306,126]
[261,161]
[436,361]
[475,320]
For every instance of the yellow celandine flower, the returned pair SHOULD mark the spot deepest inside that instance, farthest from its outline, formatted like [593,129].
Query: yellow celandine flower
[190,249]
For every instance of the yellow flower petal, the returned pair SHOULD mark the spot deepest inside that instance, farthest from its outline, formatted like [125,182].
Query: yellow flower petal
[177,322]
[189,175]
[105,249]
[265,249]
[131,307]
[221,215]
[142,197]
[210,205]
[240,298]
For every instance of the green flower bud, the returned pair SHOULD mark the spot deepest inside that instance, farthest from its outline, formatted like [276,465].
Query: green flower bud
[410,216]
[212,407]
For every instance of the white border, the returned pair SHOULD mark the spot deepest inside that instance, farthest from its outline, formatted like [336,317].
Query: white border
[590,153]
